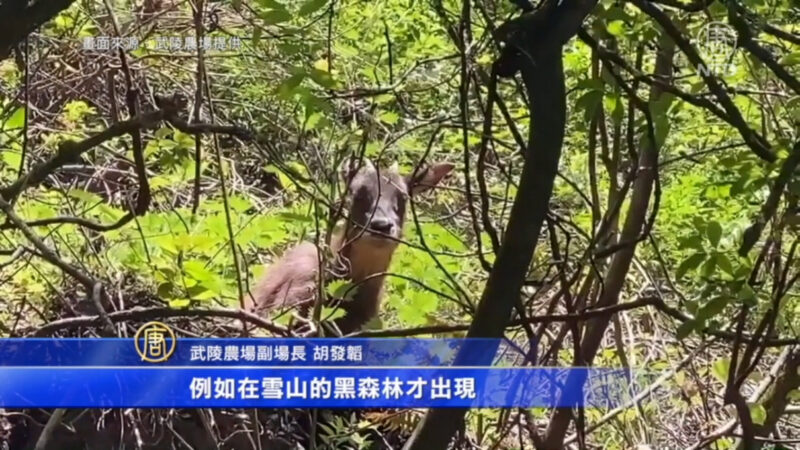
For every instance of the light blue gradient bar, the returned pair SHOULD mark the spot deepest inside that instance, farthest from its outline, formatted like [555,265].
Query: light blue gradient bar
[171,387]
[254,351]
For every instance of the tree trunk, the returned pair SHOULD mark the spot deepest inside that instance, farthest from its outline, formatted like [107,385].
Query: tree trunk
[545,86]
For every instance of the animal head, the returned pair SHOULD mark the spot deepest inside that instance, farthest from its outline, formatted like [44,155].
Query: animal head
[377,198]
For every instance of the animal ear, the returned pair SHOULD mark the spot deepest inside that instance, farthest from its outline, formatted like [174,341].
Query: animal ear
[351,166]
[428,177]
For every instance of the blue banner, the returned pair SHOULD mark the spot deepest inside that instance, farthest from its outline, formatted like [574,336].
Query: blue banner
[306,387]
[257,352]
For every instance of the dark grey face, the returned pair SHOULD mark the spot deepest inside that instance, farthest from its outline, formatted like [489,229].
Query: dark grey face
[378,202]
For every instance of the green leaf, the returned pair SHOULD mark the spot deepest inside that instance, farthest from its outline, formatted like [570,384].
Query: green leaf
[690,263]
[165,290]
[276,16]
[747,295]
[17,119]
[76,110]
[332,313]
[11,158]
[288,85]
[724,263]
[322,64]
[618,111]
[692,306]
[714,232]
[659,107]
[791,59]
[179,303]
[708,267]
[168,244]
[610,102]
[197,270]
[311,6]
[662,126]
[694,241]
[697,87]
[256,36]
[86,197]
[200,293]
[321,77]
[284,179]
[712,308]
[341,289]
[416,307]
[685,329]
[312,120]
[758,413]
[289,48]
[163,133]
[720,369]
[593,84]
[271,4]
[589,102]
[313,103]
[699,224]
[389,117]
[793,106]
[616,28]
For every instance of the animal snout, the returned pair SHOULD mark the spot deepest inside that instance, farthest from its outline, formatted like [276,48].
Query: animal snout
[381,225]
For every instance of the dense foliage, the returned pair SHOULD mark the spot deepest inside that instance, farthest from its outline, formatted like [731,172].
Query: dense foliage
[674,205]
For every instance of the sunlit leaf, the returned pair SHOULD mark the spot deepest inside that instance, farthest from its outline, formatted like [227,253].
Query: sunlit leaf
[17,119]
[616,28]
[720,369]
[311,6]
[275,16]
[690,263]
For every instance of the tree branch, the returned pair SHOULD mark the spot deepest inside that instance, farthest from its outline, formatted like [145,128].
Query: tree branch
[160,312]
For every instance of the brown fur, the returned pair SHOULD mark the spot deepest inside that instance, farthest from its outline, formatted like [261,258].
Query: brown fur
[364,250]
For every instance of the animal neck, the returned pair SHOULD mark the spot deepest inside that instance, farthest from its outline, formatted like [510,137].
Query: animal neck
[365,261]
[364,256]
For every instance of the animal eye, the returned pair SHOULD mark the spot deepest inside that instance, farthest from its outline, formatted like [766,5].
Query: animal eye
[362,196]
[362,192]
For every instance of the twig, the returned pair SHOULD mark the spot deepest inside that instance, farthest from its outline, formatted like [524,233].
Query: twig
[754,397]
[70,151]
[160,312]
[198,101]
[97,293]
[52,423]
[753,233]
[46,253]
[757,143]
[538,319]
[666,376]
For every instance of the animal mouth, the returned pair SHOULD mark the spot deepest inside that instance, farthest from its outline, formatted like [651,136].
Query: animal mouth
[378,235]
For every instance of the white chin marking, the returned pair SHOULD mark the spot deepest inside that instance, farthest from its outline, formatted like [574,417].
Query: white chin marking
[380,237]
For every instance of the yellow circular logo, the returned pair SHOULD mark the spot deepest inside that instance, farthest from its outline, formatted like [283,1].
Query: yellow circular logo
[155,342]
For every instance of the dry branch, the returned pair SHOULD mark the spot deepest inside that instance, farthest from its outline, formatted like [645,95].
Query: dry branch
[139,314]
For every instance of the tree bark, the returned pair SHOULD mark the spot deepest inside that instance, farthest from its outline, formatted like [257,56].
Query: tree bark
[18,20]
